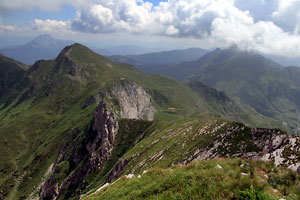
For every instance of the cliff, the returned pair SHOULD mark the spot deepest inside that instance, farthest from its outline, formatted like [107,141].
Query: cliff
[95,148]
[134,101]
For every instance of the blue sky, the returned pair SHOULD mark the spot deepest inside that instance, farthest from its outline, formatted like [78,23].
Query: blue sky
[266,26]
[24,17]
[154,2]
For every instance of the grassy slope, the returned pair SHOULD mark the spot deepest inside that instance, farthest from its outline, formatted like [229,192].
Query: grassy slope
[35,125]
[253,80]
[180,142]
[166,92]
[218,102]
[33,136]
[237,110]
[11,72]
[205,180]
[35,128]
[7,60]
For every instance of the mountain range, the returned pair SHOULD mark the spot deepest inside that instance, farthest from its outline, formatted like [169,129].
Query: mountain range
[122,50]
[159,61]
[266,86]
[248,78]
[72,127]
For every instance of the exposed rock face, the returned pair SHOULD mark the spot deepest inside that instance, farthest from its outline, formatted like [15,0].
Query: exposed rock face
[96,147]
[284,151]
[49,190]
[99,142]
[117,170]
[135,102]
[263,144]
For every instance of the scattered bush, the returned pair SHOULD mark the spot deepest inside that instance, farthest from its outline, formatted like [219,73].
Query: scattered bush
[253,194]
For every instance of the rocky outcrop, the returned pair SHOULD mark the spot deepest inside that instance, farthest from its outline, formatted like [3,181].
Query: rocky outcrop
[95,148]
[117,171]
[49,190]
[261,144]
[134,101]
[283,151]
[276,146]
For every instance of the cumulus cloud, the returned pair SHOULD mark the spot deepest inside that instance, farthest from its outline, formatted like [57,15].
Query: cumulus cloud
[263,36]
[38,26]
[288,14]
[50,25]
[269,26]
[194,18]
[112,16]
[173,18]
[279,36]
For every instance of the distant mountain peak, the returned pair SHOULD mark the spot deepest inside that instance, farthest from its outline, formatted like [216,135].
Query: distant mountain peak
[232,52]
[233,49]
[45,40]
[43,47]
[44,37]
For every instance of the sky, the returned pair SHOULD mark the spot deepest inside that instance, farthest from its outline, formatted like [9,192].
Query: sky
[266,26]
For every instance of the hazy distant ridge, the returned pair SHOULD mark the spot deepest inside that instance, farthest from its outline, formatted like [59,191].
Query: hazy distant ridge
[42,47]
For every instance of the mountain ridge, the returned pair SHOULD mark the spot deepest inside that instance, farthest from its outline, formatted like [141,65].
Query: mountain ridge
[11,72]
[155,62]
[248,78]
[82,119]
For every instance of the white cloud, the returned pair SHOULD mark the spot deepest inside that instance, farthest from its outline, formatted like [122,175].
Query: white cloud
[50,25]
[7,29]
[175,17]
[263,36]
[171,30]
[56,28]
[38,26]
[112,16]
[4,28]
[271,26]
[288,14]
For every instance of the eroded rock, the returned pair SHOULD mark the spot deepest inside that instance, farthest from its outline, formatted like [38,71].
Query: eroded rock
[134,101]
[117,170]
[96,147]
[262,144]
